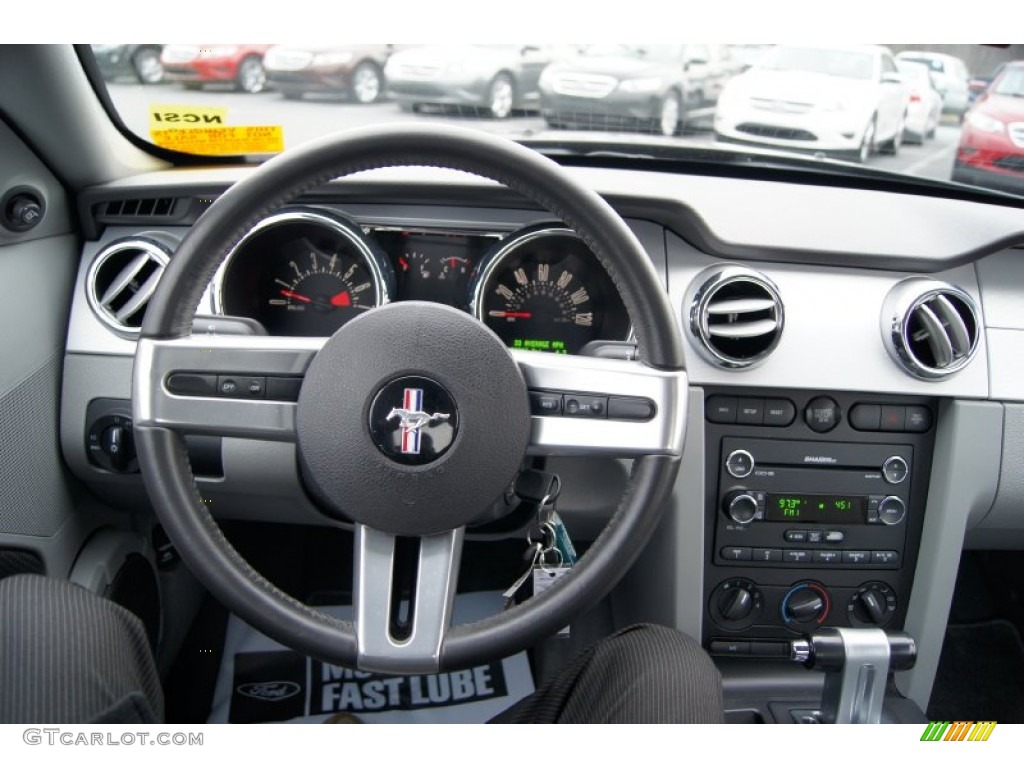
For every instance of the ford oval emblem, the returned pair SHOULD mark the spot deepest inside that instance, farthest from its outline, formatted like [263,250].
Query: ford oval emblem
[275,691]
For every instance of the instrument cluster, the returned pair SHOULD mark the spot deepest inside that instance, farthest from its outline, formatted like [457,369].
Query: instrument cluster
[308,271]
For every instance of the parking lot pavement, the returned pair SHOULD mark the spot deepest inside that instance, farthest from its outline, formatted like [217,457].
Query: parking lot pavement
[315,116]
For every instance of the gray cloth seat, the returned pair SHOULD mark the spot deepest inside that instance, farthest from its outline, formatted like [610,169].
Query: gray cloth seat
[69,656]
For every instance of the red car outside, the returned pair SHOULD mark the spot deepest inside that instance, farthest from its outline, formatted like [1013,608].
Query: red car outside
[198,64]
[991,151]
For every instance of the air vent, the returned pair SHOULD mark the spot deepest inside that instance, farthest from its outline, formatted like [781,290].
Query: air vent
[736,316]
[930,328]
[122,279]
[140,208]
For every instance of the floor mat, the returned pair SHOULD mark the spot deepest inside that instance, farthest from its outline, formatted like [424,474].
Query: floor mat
[981,674]
[262,681]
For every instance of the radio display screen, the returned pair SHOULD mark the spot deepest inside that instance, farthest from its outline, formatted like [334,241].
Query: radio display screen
[814,508]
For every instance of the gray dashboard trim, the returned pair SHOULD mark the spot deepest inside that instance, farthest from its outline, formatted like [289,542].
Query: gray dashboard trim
[665,584]
[738,218]
[965,474]
[833,334]
[1002,527]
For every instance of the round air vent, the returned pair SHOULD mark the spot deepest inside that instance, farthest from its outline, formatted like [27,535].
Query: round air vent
[736,316]
[122,279]
[930,328]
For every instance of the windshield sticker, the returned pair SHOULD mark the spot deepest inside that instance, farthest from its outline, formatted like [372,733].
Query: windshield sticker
[204,131]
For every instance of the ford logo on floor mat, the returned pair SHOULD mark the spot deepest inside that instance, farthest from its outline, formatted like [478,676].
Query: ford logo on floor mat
[275,691]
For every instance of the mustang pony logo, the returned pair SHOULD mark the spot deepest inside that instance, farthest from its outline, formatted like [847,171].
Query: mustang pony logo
[274,691]
[412,419]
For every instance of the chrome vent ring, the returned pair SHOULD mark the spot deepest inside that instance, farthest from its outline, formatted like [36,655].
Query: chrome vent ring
[122,279]
[930,328]
[736,316]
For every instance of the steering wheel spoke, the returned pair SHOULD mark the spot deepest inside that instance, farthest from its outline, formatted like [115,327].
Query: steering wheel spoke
[606,407]
[401,623]
[176,384]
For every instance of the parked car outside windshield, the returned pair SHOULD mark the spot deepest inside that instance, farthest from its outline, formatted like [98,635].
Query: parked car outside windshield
[846,102]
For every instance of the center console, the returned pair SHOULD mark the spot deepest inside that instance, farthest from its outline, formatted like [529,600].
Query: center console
[814,510]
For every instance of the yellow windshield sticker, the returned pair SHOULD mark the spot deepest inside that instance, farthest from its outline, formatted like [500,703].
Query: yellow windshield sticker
[163,116]
[204,131]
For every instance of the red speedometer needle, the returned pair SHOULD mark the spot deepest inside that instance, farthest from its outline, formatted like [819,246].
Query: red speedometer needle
[296,296]
[342,299]
[513,315]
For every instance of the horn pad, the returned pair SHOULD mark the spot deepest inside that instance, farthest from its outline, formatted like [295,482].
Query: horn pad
[413,419]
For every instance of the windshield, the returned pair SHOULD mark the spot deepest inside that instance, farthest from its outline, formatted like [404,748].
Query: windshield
[837,63]
[1011,83]
[642,51]
[867,105]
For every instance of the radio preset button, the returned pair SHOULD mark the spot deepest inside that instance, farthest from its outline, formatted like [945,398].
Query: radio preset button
[827,556]
[735,553]
[895,470]
[822,414]
[885,557]
[739,464]
[891,510]
[856,557]
[761,555]
[796,555]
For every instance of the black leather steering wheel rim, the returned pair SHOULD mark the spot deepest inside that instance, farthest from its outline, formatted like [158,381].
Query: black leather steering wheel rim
[163,459]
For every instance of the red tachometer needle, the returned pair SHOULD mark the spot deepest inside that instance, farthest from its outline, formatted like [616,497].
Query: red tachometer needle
[513,315]
[342,299]
[296,296]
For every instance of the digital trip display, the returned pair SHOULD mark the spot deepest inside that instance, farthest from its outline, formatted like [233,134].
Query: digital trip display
[814,508]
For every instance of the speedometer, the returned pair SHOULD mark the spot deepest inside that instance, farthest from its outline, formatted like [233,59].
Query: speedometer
[543,289]
[304,272]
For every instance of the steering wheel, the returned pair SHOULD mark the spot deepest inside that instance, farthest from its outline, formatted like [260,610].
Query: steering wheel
[353,380]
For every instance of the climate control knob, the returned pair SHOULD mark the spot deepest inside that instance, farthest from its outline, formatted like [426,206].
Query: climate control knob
[736,604]
[740,506]
[872,605]
[807,604]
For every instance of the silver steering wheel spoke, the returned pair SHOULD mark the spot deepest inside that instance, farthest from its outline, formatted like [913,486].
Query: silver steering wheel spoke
[157,404]
[641,409]
[427,609]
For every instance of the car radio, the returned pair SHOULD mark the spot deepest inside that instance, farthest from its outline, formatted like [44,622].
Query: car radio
[800,504]
[810,521]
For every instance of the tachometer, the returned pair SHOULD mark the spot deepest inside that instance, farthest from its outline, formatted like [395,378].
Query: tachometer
[304,272]
[543,289]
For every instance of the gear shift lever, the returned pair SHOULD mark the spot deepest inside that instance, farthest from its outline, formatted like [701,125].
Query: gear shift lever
[856,663]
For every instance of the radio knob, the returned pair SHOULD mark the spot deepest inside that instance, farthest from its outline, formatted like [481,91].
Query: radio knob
[806,603]
[739,464]
[895,470]
[741,507]
[891,510]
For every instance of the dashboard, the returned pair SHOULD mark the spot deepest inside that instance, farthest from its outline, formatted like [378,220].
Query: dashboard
[307,271]
[855,387]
